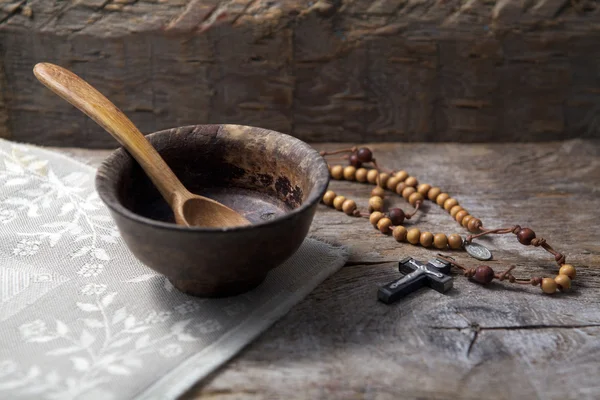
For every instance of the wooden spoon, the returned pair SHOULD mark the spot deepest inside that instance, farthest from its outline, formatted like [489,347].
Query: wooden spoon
[189,209]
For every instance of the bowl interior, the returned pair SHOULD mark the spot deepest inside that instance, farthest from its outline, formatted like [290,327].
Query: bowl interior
[259,173]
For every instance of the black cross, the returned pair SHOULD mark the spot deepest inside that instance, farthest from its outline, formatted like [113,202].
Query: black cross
[432,274]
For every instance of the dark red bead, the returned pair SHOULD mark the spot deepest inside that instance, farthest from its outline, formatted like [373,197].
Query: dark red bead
[354,161]
[364,155]
[525,236]
[483,274]
[397,216]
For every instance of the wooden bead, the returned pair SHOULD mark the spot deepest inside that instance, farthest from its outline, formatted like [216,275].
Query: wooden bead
[349,206]
[413,236]
[364,155]
[378,191]
[455,241]
[433,193]
[328,197]
[400,187]
[460,215]
[408,191]
[525,236]
[440,241]
[354,161]
[383,178]
[474,225]
[338,202]
[376,203]
[568,270]
[442,197]
[423,188]
[361,174]
[399,233]
[375,217]
[337,172]
[372,176]
[392,183]
[483,274]
[397,216]
[402,175]
[349,173]
[465,221]
[426,239]
[448,204]
[384,225]
[548,285]
[454,210]
[411,181]
[563,282]
[413,198]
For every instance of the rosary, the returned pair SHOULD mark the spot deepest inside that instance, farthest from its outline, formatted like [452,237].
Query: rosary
[408,187]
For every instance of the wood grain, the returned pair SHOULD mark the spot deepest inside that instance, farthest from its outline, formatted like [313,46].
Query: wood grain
[357,70]
[496,342]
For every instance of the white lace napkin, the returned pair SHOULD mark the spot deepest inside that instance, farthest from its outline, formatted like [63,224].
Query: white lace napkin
[81,318]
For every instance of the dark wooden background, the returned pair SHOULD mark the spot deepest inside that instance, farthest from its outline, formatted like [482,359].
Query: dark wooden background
[352,70]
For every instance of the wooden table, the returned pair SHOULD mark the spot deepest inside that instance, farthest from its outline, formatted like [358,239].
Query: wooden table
[495,342]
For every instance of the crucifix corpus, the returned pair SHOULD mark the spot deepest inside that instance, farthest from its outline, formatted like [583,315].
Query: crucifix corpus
[433,274]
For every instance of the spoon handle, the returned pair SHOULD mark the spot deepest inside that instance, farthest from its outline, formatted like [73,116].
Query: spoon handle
[91,102]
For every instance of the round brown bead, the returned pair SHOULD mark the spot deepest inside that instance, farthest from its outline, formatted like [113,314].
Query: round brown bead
[474,225]
[413,236]
[349,206]
[400,187]
[442,197]
[337,172]
[402,175]
[548,285]
[397,216]
[378,191]
[568,270]
[440,241]
[423,188]
[465,221]
[414,198]
[454,210]
[376,203]
[372,176]
[460,215]
[375,217]
[433,193]
[361,174]
[525,236]
[354,161]
[349,173]
[408,191]
[455,241]
[364,155]
[426,239]
[338,202]
[328,197]
[392,182]
[483,274]
[563,282]
[384,225]
[399,233]
[449,203]
[411,181]
[383,178]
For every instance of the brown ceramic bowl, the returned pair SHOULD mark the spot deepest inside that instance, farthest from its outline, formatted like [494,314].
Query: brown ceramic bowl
[273,179]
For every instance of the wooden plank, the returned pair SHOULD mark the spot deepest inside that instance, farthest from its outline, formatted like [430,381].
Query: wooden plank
[496,342]
[412,70]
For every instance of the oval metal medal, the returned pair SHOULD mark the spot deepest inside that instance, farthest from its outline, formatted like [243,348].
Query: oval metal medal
[478,251]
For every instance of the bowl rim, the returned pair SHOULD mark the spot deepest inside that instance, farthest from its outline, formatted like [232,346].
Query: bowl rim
[315,195]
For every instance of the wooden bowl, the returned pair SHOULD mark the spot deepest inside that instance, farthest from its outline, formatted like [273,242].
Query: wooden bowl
[273,179]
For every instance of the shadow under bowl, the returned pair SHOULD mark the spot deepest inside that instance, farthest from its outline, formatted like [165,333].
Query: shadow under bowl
[275,180]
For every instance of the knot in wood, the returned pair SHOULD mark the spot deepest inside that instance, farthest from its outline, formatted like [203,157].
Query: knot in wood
[536,281]
[560,258]
[538,242]
[516,229]
[470,272]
